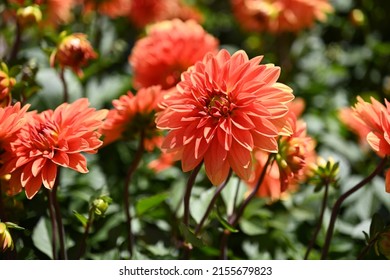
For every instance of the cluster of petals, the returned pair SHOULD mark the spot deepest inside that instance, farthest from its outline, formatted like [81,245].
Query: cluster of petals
[74,51]
[51,139]
[280,15]
[225,107]
[55,11]
[292,164]
[145,12]
[133,115]
[169,48]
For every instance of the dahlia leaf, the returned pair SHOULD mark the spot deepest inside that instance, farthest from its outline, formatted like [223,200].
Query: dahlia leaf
[83,220]
[145,204]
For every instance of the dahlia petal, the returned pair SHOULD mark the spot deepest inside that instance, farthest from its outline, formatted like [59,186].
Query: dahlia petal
[37,166]
[240,160]
[49,174]
[225,139]
[244,138]
[77,162]
[374,141]
[265,143]
[15,185]
[33,186]
[189,161]
[242,121]
[216,164]
[26,174]
[61,158]
[270,74]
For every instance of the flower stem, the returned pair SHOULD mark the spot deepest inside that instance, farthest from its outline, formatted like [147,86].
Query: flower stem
[64,85]
[53,222]
[340,200]
[320,219]
[187,194]
[186,202]
[233,220]
[235,217]
[16,45]
[60,225]
[366,248]
[126,196]
[83,244]
[211,204]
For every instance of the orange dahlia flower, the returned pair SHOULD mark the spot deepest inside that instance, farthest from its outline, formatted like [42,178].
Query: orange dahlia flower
[169,49]
[73,51]
[51,139]
[280,15]
[225,107]
[133,115]
[291,166]
[375,118]
[111,8]
[147,12]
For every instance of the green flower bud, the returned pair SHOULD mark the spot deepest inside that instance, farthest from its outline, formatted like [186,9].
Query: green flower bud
[29,15]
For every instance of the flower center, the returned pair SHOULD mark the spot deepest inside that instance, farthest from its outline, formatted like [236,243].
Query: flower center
[45,137]
[219,106]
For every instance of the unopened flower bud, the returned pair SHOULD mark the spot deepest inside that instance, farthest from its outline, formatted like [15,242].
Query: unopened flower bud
[74,51]
[357,17]
[100,205]
[5,238]
[29,15]
[6,84]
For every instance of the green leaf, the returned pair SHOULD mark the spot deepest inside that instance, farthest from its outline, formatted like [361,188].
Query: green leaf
[14,226]
[377,225]
[145,204]
[252,228]
[83,220]
[41,238]
[225,223]
[189,236]
[366,237]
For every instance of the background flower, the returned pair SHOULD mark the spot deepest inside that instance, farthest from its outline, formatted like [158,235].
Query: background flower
[133,115]
[280,15]
[169,48]
[73,51]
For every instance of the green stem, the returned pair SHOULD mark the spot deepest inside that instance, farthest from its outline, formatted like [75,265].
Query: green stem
[211,204]
[320,219]
[126,197]
[186,201]
[16,45]
[366,248]
[235,217]
[64,85]
[53,222]
[83,244]
[233,220]
[340,200]
[187,194]
[60,225]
